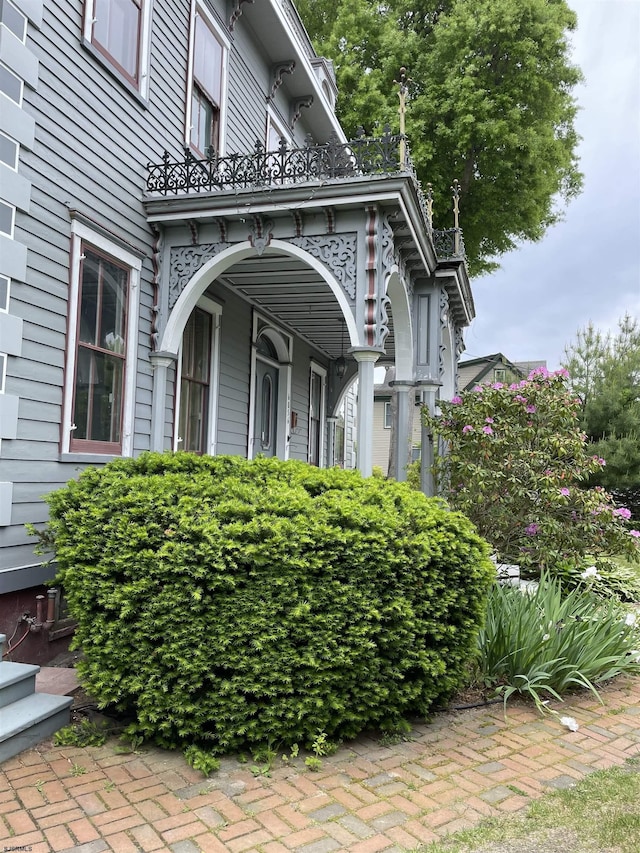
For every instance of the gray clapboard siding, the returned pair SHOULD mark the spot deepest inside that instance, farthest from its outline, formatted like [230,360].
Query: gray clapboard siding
[37,410]
[45,471]
[29,513]
[44,380]
[18,556]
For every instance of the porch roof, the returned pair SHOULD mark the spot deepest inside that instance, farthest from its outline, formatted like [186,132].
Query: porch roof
[335,175]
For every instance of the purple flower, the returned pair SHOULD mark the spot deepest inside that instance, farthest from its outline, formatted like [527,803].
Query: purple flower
[520,399]
[488,420]
[532,529]
[599,460]
[530,409]
[623,512]
[564,491]
[466,429]
[539,372]
[487,430]
[497,385]
[635,533]
[479,389]
[456,401]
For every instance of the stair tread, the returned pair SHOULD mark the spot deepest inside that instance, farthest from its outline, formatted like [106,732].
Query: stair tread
[27,712]
[11,673]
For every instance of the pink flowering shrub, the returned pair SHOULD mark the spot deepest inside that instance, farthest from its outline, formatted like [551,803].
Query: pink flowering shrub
[516,464]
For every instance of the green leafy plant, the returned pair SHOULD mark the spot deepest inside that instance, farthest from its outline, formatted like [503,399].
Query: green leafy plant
[517,463]
[313,762]
[78,770]
[84,733]
[230,603]
[542,644]
[605,577]
[201,760]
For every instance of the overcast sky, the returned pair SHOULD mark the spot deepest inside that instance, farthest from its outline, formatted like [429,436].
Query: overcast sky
[587,268]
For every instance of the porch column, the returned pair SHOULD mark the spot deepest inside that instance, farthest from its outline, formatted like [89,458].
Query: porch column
[403,426]
[160,362]
[366,358]
[428,390]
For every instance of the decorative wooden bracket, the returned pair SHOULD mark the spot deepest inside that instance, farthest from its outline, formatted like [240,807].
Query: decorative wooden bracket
[237,12]
[297,106]
[278,72]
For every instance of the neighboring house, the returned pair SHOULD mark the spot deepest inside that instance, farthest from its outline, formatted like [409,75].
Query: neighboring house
[167,284]
[383,421]
[493,368]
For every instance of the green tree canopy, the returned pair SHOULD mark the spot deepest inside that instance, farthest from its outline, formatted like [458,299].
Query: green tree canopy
[490,103]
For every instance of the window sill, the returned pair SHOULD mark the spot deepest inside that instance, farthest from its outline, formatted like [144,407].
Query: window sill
[143,100]
[88,458]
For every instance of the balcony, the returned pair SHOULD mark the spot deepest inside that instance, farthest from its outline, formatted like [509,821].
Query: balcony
[333,162]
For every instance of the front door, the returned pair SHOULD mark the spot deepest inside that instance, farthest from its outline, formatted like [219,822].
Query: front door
[266,409]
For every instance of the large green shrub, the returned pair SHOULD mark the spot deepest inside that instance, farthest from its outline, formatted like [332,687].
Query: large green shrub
[228,603]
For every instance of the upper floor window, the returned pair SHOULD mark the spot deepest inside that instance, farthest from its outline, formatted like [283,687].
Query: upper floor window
[206,85]
[499,374]
[5,285]
[13,20]
[7,216]
[275,132]
[119,30]
[388,416]
[101,345]
[9,151]
[10,85]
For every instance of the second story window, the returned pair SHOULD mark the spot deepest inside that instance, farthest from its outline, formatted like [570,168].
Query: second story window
[119,30]
[116,32]
[207,86]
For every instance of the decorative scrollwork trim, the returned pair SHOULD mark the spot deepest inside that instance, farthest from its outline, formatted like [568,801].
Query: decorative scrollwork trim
[338,253]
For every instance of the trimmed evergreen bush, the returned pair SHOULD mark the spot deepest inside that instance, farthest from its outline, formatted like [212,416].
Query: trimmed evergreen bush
[228,603]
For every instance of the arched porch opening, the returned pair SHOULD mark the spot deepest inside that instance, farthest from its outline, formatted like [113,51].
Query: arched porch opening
[283,323]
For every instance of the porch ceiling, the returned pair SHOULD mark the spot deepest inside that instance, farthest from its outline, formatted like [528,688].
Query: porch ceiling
[296,296]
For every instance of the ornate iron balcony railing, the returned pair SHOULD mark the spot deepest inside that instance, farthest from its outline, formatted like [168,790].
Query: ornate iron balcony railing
[286,166]
[448,243]
[261,169]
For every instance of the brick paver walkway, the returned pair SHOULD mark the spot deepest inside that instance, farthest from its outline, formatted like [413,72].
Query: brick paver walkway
[366,798]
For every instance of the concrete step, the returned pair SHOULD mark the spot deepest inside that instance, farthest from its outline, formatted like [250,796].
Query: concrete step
[31,719]
[17,680]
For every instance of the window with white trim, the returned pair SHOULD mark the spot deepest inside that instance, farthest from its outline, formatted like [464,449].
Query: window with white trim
[101,345]
[275,132]
[3,371]
[206,89]
[9,150]
[120,32]
[13,20]
[7,218]
[10,85]
[317,415]
[387,415]
[5,288]
[499,374]
[196,403]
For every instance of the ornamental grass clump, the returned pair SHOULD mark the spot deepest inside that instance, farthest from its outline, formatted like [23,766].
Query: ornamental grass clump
[542,643]
[227,604]
[517,464]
